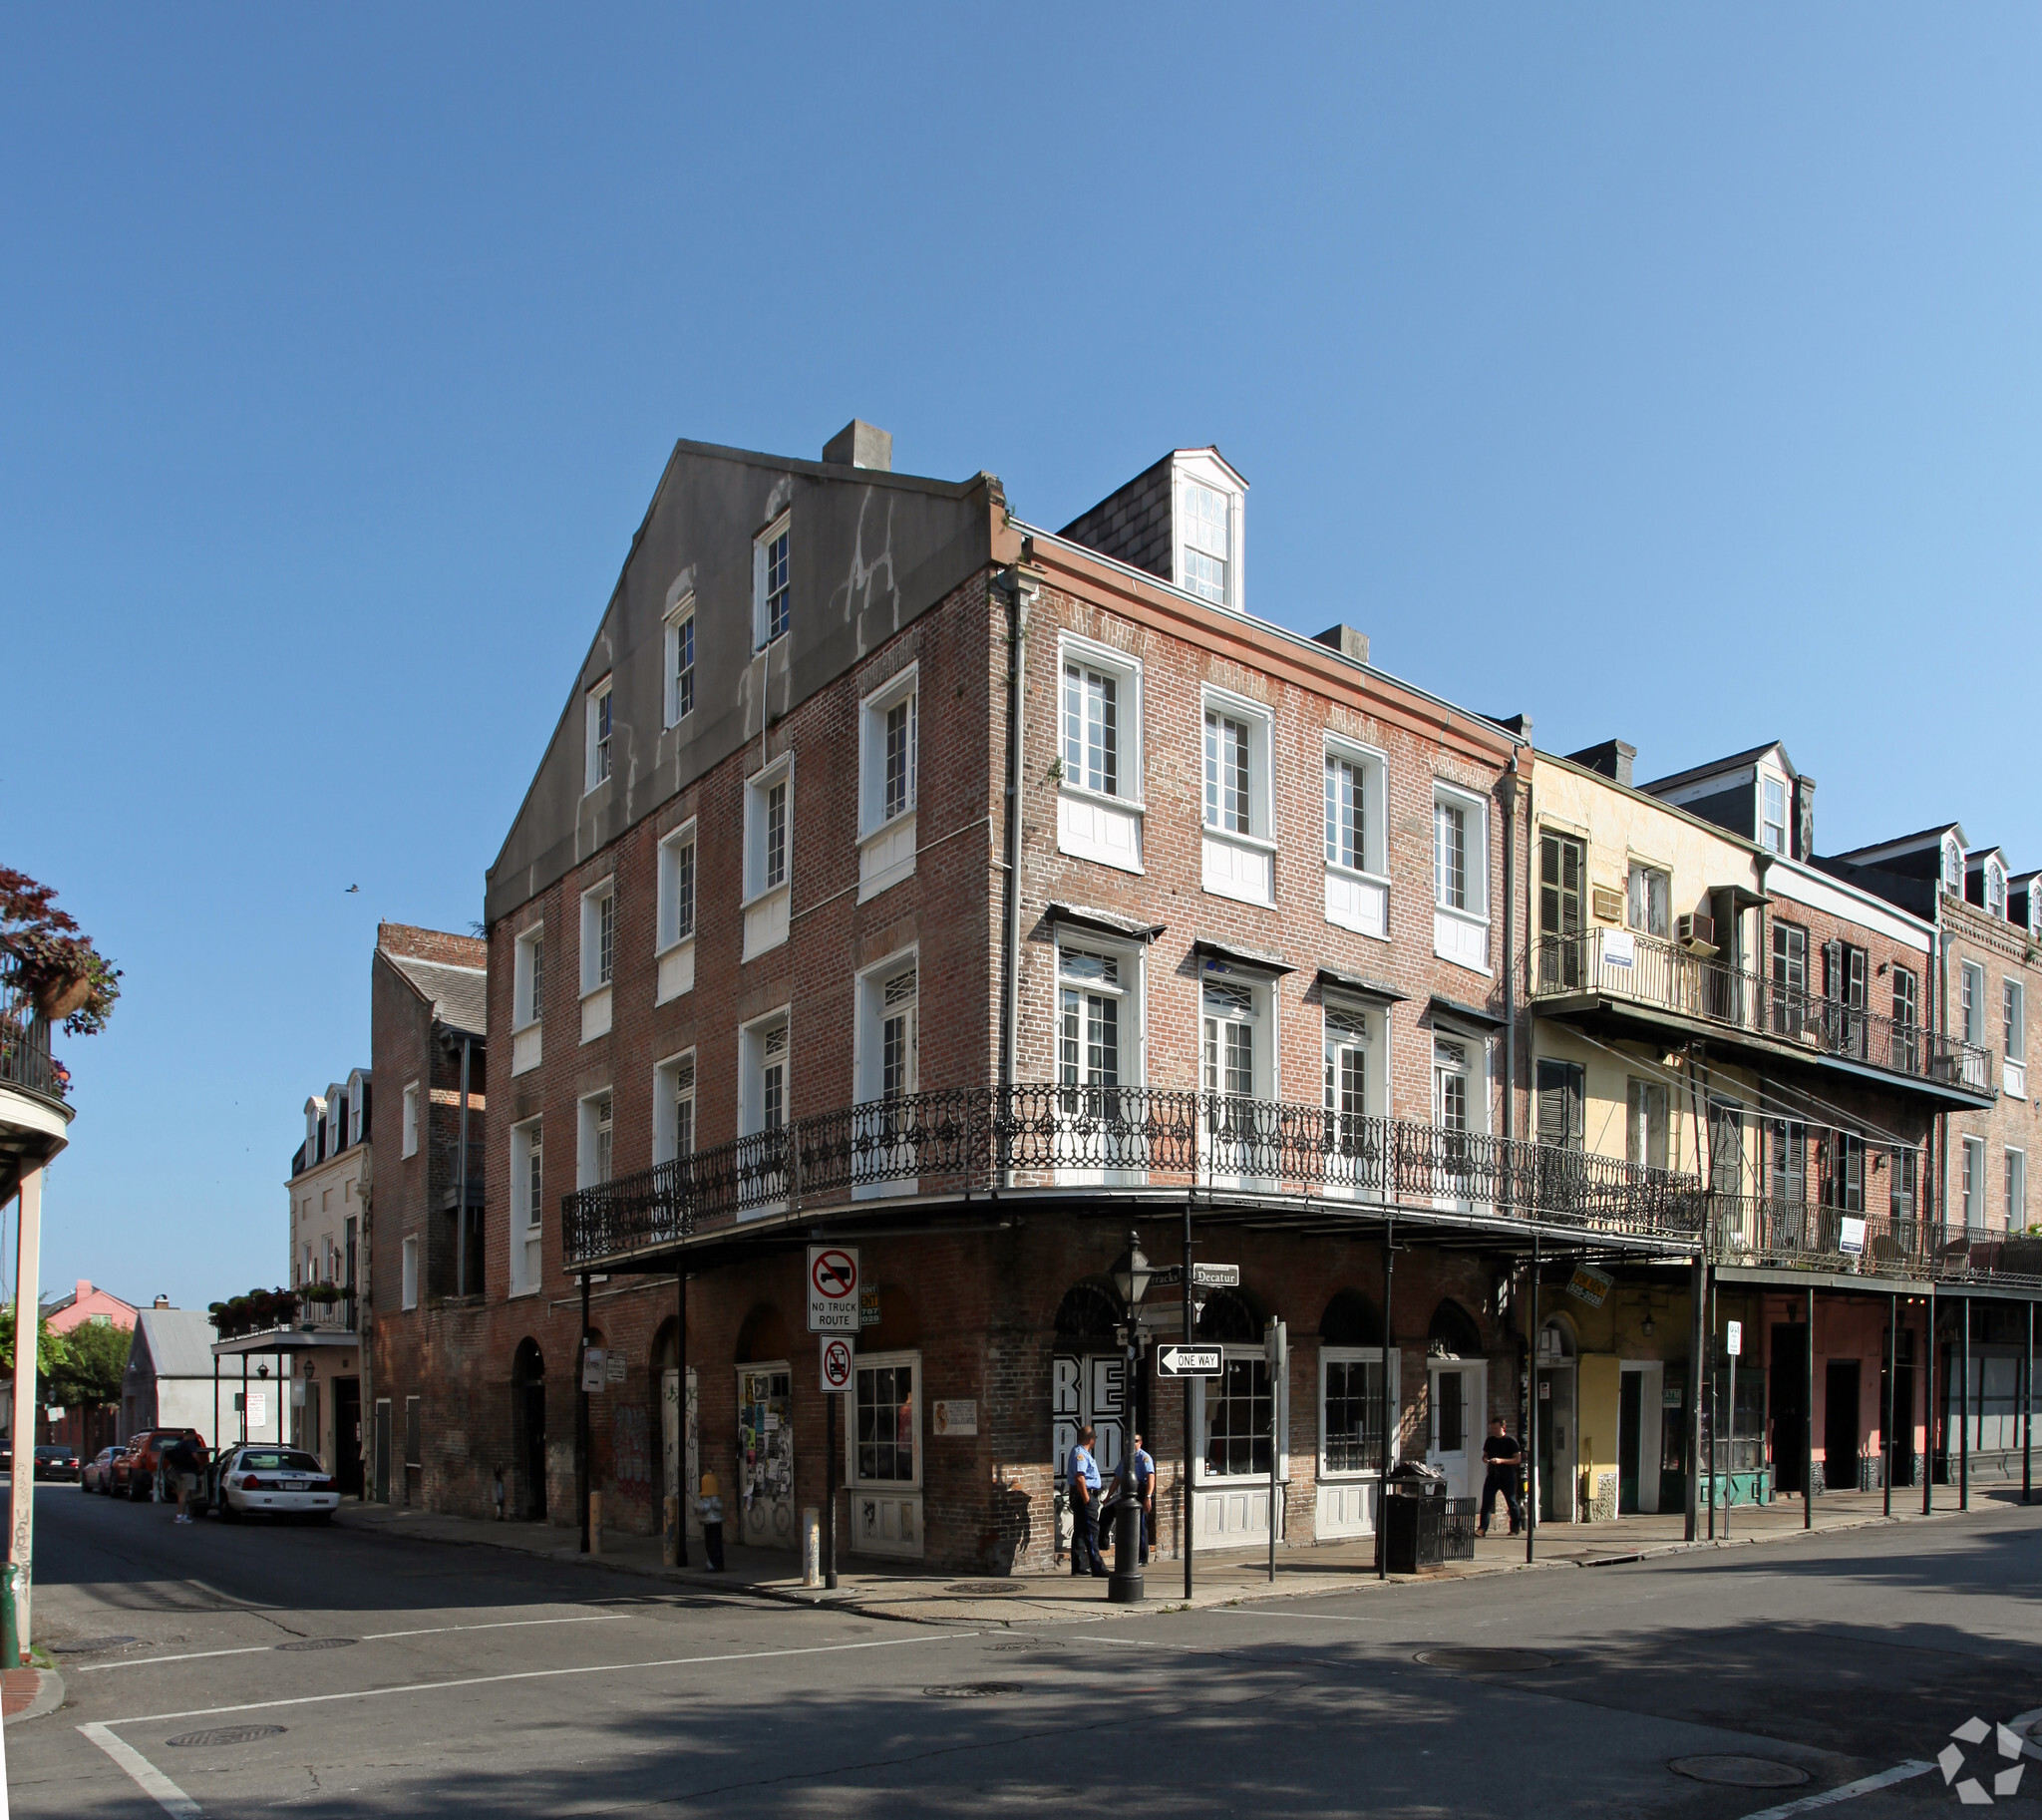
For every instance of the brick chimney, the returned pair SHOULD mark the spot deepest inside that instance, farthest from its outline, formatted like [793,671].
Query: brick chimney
[1612,758]
[860,445]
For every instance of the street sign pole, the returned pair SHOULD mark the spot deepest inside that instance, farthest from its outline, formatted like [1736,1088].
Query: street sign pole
[1185,1511]
[1733,1344]
[1276,1342]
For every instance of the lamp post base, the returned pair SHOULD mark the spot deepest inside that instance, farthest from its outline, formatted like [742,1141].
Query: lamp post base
[1123,1585]
[1124,1589]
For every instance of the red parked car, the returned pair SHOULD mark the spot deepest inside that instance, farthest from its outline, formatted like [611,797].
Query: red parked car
[137,1472]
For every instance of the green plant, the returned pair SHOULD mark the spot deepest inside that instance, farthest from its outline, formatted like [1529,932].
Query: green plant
[60,971]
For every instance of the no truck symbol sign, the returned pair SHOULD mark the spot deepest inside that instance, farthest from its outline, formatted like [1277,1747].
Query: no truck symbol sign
[835,1366]
[833,1288]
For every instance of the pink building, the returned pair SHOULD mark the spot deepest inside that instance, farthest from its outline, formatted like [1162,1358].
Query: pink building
[86,1303]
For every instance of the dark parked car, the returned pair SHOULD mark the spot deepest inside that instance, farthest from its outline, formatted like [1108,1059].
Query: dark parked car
[137,1471]
[56,1463]
[97,1474]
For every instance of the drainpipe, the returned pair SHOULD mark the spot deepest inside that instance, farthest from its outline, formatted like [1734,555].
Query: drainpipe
[461,1185]
[1018,596]
[1511,781]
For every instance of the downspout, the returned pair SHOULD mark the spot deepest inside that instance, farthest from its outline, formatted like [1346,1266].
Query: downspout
[1017,679]
[1511,781]
[1939,1131]
[460,1183]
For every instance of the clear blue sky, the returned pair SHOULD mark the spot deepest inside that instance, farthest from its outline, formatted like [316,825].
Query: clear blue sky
[1668,378]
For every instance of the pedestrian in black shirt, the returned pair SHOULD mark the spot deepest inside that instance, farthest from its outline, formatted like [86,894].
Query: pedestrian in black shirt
[1504,1459]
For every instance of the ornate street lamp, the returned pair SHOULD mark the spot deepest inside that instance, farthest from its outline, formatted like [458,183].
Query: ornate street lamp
[1131,1275]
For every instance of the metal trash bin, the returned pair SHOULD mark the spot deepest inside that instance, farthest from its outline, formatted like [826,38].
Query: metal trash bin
[1456,1529]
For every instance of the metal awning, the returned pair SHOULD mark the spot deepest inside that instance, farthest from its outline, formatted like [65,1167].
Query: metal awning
[288,1339]
[1361,985]
[1255,960]
[1104,923]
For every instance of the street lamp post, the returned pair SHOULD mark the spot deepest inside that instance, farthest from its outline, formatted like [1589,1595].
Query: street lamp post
[1123,1585]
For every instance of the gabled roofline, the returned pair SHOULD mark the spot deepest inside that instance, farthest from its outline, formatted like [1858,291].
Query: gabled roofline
[1906,843]
[1730,763]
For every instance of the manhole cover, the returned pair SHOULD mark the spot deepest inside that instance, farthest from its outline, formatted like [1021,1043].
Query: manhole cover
[1486,1662]
[229,1734]
[985,1588]
[974,1691]
[322,1643]
[85,1645]
[1740,1772]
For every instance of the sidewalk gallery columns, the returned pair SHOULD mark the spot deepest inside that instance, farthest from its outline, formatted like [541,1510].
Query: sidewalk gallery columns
[22,1483]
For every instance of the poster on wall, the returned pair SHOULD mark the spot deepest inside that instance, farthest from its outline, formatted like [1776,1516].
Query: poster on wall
[1590,1285]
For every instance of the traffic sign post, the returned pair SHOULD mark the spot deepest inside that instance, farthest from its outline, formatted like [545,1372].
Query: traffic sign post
[835,1366]
[1188,1361]
[1276,1343]
[836,1370]
[1204,1276]
[833,1288]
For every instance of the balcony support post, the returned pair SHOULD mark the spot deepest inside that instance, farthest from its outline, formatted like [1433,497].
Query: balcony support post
[1531,1426]
[1807,1427]
[681,1414]
[1893,1372]
[1390,1397]
[1929,1409]
[1698,1315]
[2029,1415]
[582,1418]
[1184,1494]
[1965,1421]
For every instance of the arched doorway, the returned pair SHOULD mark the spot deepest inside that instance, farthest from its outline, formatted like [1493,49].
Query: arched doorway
[763,1489]
[1236,1417]
[527,1493]
[679,1430]
[1088,1374]
[1457,1397]
[1558,1445]
[1350,1414]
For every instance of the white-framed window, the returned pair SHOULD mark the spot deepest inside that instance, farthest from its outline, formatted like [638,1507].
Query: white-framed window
[1357,816]
[1953,866]
[677,885]
[768,827]
[1098,1015]
[1460,875]
[1233,1414]
[1236,1063]
[411,1120]
[883,1416]
[598,935]
[527,1205]
[1772,813]
[601,709]
[527,978]
[1971,1182]
[1099,759]
[1351,1410]
[1356,1092]
[1648,900]
[2016,1190]
[408,1295]
[680,661]
[1209,529]
[771,581]
[1971,1001]
[889,1038]
[1460,1081]
[2013,1021]
[357,1104]
[888,765]
[673,1108]
[1996,890]
[1238,807]
[763,1080]
[594,1151]
[1647,1120]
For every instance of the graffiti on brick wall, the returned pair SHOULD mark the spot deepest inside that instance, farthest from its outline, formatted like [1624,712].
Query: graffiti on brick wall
[631,1452]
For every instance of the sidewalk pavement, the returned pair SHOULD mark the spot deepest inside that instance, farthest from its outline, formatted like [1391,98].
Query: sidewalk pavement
[876,1590]
[28,1693]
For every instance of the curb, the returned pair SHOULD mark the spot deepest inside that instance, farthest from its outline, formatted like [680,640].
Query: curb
[49,1695]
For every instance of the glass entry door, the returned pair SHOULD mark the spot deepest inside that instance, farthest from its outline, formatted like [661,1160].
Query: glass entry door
[765,1480]
[1454,1444]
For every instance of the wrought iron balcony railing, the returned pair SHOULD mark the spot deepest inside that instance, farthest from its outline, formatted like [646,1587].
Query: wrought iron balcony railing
[23,1036]
[1121,1137]
[1621,964]
[1757,1229]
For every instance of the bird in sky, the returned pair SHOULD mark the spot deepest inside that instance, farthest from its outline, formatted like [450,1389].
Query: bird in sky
[351,889]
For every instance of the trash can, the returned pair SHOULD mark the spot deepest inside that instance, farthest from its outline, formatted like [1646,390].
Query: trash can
[1456,1529]
[1411,1529]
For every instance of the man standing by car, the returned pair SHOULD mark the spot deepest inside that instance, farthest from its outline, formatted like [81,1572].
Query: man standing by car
[182,1462]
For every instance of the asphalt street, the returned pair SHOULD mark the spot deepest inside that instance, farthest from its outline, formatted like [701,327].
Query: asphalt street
[237,1671]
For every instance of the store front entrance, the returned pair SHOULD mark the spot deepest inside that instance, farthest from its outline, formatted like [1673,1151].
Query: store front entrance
[679,1451]
[1459,1392]
[765,1478]
[1556,1438]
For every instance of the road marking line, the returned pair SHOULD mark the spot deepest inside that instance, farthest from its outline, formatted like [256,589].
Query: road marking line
[540,1675]
[145,1774]
[508,1624]
[1864,1785]
[150,1661]
[1314,1617]
[374,1637]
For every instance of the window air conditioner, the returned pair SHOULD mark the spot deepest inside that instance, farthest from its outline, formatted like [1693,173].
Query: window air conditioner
[1696,933]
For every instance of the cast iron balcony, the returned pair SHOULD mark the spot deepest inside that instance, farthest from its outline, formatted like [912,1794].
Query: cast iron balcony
[1623,965]
[23,1036]
[1050,1137]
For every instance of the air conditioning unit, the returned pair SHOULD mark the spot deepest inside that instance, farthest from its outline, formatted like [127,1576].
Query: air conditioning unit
[1697,934]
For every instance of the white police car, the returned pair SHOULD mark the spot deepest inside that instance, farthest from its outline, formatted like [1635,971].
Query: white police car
[273,1482]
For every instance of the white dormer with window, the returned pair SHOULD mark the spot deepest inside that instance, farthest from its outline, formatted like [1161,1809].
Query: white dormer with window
[1773,802]
[769,856]
[599,711]
[315,1124]
[676,927]
[598,956]
[1357,866]
[527,997]
[888,740]
[1207,510]
[1239,811]
[1099,754]
[1459,866]
[336,1118]
[357,1106]
[1995,888]
[1952,864]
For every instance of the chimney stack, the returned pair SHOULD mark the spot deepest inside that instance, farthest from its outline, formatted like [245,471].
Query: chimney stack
[1804,817]
[1346,640]
[860,445]
[1612,758]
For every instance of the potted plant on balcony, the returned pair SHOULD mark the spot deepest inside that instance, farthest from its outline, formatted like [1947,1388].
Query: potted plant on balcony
[323,1297]
[61,973]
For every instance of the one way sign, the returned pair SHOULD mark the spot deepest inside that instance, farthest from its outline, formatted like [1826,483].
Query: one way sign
[1187,1361]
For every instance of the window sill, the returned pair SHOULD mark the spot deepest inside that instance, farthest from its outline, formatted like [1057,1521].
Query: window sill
[1084,793]
[1254,842]
[522,1294]
[760,897]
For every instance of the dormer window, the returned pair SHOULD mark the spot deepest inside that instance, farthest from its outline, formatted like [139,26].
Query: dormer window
[1995,888]
[1207,545]
[1953,866]
[1773,819]
[600,725]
